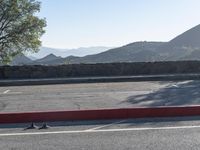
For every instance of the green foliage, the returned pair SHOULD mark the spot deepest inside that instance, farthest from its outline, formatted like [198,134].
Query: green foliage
[20,28]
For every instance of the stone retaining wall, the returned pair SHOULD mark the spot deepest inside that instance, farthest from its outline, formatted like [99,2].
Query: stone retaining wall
[86,70]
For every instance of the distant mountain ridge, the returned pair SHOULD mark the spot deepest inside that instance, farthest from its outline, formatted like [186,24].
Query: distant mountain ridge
[137,51]
[48,58]
[21,60]
[185,46]
[80,52]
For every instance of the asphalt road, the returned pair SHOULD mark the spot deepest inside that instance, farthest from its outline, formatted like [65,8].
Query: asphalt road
[99,95]
[146,134]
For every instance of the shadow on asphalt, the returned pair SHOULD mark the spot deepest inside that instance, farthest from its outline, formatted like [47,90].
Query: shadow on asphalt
[184,93]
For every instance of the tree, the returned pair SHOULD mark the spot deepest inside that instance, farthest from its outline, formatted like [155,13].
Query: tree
[20,28]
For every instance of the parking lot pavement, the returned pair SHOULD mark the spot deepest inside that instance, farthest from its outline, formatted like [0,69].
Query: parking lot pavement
[153,133]
[98,95]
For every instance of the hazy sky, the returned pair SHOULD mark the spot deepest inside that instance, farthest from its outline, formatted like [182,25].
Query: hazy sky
[83,23]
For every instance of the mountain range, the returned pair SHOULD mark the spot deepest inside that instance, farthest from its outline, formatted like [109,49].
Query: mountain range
[185,46]
[80,52]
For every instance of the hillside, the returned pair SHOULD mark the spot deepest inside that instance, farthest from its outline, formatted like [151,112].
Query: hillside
[138,51]
[182,47]
[20,60]
[46,60]
[185,46]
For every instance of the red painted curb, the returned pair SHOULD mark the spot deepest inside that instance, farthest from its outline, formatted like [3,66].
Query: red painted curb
[123,113]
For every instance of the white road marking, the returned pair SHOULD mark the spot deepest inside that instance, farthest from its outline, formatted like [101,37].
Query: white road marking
[97,131]
[10,92]
[107,125]
[6,91]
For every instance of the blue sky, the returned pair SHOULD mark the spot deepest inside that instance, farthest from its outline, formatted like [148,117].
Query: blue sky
[85,23]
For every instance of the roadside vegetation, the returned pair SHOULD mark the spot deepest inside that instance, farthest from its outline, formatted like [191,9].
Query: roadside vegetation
[20,28]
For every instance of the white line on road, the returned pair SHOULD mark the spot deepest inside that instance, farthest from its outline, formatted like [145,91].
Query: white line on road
[9,92]
[6,91]
[97,131]
[107,125]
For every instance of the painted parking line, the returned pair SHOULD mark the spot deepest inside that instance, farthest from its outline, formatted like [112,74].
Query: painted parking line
[10,92]
[6,91]
[98,131]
